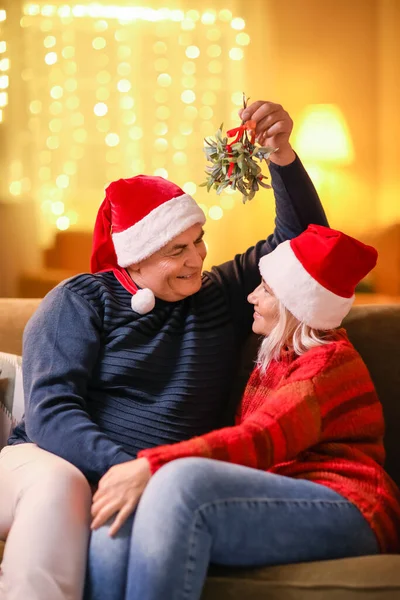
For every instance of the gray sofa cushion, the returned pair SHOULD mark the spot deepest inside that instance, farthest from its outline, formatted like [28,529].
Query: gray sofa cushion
[375,332]
[11,394]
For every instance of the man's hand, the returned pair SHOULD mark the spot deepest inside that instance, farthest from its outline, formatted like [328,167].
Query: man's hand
[119,492]
[274,127]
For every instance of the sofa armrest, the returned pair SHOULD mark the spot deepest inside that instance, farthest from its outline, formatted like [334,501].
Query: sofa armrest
[14,314]
[11,394]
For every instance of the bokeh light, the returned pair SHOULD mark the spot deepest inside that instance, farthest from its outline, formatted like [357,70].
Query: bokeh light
[55,125]
[190,112]
[238,23]
[129,117]
[124,85]
[49,41]
[50,58]
[124,69]
[162,113]
[57,92]
[63,223]
[160,48]
[192,51]
[164,80]
[97,111]
[15,188]
[126,102]
[189,188]
[243,39]
[160,129]
[180,159]
[188,96]
[208,17]
[161,145]
[99,43]
[215,212]
[161,173]
[112,139]
[188,25]
[236,54]
[189,68]
[100,109]
[57,208]
[68,52]
[185,128]
[35,107]
[135,133]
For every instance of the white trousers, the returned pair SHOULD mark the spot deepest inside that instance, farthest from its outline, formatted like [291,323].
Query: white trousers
[44,515]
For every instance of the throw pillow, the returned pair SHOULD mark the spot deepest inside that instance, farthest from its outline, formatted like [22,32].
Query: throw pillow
[11,394]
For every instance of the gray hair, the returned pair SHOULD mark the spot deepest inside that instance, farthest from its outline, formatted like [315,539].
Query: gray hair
[290,332]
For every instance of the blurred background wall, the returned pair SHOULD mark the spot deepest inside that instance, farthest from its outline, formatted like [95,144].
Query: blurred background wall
[93,92]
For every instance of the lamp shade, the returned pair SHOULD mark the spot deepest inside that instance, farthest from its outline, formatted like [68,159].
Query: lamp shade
[323,135]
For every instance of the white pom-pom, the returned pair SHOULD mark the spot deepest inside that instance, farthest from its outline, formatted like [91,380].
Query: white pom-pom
[143,301]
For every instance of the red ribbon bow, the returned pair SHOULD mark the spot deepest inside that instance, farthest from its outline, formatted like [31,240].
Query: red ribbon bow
[238,132]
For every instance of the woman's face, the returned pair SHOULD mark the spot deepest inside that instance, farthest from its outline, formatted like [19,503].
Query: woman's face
[265,309]
[174,272]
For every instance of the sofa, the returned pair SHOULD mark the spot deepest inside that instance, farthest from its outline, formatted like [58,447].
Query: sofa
[375,331]
[70,250]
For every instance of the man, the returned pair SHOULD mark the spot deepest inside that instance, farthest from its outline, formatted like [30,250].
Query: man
[141,353]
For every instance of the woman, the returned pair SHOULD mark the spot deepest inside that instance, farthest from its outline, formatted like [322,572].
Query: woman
[300,476]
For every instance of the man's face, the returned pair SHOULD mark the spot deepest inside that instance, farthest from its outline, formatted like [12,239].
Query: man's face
[174,272]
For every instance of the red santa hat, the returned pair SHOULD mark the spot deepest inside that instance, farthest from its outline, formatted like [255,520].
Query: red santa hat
[139,216]
[315,274]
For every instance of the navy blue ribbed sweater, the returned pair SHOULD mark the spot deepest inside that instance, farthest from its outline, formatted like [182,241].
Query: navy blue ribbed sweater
[102,382]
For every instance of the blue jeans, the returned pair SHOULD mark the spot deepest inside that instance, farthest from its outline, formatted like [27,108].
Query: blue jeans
[195,511]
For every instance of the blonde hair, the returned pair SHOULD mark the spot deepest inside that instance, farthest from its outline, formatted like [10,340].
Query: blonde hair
[290,332]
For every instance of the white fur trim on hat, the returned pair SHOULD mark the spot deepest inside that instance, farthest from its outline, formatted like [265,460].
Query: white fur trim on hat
[143,301]
[156,229]
[300,293]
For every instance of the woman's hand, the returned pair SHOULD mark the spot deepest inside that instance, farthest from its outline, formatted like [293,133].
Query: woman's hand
[274,127]
[119,492]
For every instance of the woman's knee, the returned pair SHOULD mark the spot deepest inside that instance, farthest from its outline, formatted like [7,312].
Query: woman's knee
[183,481]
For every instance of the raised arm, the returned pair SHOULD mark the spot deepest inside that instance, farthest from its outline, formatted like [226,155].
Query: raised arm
[61,346]
[289,178]
[297,205]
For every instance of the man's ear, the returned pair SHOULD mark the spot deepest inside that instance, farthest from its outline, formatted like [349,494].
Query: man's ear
[135,268]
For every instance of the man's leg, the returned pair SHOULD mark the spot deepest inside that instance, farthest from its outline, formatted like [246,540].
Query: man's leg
[195,511]
[45,515]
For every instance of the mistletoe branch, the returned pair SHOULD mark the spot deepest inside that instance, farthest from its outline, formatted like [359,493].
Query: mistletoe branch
[233,162]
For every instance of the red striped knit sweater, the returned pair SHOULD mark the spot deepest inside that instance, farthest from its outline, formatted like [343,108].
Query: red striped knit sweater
[314,417]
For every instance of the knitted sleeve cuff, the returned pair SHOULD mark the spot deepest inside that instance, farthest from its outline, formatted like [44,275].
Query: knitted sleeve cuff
[155,458]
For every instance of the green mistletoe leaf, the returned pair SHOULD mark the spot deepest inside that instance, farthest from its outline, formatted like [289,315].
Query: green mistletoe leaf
[236,163]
